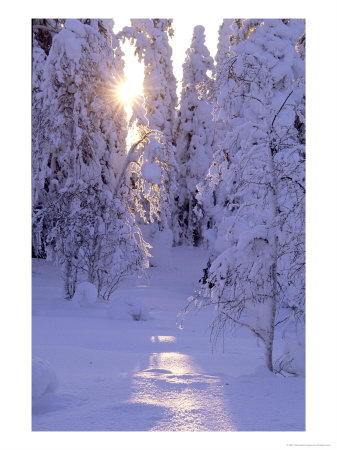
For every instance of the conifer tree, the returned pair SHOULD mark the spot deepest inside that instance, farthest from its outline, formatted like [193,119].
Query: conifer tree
[194,138]
[38,62]
[43,31]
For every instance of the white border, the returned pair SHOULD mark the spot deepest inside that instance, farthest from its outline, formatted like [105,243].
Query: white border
[15,225]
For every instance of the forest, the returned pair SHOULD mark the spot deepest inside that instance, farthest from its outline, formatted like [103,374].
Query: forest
[216,168]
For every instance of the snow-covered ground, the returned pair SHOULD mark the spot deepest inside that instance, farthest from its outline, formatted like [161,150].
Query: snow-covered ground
[115,373]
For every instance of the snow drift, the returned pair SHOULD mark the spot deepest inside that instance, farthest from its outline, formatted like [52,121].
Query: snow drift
[44,379]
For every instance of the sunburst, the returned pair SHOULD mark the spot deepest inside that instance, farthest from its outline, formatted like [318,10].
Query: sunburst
[128,90]
[131,86]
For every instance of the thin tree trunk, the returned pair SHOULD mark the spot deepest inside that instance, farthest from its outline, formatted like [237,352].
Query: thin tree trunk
[270,326]
[69,290]
[189,224]
[269,342]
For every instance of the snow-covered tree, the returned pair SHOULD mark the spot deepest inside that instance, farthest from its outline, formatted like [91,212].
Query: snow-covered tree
[231,33]
[194,138]
[157,182]
[255,187]
[43,31]
[38,63]
[159,81]
[81,153]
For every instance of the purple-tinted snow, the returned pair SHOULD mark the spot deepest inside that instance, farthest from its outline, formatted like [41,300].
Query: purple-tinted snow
[136,375]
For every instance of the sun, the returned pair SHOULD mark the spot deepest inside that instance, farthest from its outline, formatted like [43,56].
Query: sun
[131,86]
[128,90]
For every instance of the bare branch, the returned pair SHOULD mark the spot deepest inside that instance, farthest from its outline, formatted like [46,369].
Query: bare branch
[278,112]
[242,324]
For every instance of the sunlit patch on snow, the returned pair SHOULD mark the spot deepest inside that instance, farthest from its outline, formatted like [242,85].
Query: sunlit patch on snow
[177,363]
[192,401]
[161,339]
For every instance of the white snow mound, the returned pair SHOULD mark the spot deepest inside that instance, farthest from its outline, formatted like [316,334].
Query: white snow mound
[127,307]
[86,294]
[44,379]
[295,353]
[162,248]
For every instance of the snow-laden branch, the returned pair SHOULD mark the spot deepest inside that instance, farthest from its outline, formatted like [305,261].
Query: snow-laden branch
[133,156]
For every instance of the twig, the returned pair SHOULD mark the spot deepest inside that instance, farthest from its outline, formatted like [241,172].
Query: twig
[278,112]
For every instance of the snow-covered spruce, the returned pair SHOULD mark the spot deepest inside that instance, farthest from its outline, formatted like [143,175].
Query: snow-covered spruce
[194,138]
[255,190]
[43,31]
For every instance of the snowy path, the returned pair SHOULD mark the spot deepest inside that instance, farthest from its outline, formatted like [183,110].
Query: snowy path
[193,401]
[124,375]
